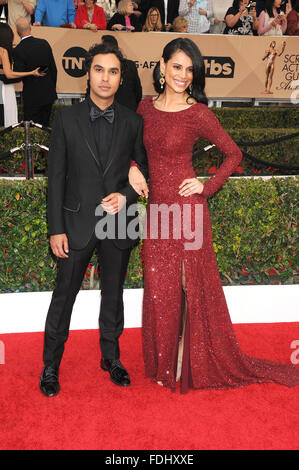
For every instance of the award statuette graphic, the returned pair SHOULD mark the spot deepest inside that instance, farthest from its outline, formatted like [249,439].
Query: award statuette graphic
[270,57]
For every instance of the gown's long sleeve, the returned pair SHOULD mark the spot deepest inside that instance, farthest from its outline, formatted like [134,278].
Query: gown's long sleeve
[211,129]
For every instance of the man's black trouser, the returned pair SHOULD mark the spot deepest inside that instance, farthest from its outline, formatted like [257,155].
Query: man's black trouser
[113,264]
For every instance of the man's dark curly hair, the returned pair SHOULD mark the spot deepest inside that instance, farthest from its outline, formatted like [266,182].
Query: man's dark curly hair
[104,49]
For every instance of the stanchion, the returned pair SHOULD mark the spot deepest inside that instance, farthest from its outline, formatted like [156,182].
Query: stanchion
[29,168]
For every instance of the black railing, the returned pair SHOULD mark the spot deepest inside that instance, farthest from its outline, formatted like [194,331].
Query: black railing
[282,166]
[27,146]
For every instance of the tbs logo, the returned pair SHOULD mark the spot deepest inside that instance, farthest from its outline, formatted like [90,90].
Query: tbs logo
[219,67]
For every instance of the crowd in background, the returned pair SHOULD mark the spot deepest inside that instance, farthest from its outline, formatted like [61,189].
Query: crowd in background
[33,63]
[238,17]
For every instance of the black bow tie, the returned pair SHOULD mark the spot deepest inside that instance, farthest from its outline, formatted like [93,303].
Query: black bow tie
[108,114]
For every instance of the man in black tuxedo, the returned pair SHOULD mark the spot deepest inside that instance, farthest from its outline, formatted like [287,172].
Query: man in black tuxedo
[92,145]
[39,94]
[171,7]
[129,92]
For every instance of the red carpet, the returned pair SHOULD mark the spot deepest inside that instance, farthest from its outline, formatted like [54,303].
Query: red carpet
[92,413]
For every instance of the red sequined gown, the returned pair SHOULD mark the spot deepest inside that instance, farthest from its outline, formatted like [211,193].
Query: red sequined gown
[212,358]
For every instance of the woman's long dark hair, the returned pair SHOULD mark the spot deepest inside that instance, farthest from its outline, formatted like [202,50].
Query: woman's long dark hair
[6,39]
[269,8]
[295,5]
[236,4]
[191,50]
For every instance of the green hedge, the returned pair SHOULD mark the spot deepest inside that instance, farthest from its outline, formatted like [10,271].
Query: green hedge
[258,117]
[254,230]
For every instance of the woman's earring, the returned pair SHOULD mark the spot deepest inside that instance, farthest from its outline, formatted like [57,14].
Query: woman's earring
[190,88]
[162,79]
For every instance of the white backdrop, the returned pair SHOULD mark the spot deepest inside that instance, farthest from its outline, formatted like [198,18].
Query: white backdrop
[26,312]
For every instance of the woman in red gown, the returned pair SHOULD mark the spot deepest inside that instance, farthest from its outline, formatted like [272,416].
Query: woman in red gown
[183,294]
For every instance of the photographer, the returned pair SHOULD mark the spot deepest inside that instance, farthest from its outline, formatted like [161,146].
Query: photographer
[241,18]
[272,20]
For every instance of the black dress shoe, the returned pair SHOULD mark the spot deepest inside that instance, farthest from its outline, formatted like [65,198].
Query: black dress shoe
[49,384]
[118,373]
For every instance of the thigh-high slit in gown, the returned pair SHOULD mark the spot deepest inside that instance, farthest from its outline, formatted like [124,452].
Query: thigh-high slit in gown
[212,357]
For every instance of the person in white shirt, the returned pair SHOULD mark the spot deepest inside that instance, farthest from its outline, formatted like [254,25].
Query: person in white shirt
[19,8]
[198,13]
[220,7]
[109,7]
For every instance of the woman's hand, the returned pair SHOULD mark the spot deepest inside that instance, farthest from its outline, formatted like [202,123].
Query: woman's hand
[91,26]
[37,73]
[253,13]
[190,186]
[138,182]
[243,11]
[118,26]
[202,12]
[283,17]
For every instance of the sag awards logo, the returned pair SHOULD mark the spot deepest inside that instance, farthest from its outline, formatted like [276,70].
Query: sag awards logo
[216,67]
[289,70]
[73,62]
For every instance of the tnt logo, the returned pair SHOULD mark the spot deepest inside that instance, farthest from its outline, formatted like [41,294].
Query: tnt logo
[73,62]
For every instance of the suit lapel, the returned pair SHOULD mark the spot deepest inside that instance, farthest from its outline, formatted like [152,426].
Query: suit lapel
[84,125]
[119,126]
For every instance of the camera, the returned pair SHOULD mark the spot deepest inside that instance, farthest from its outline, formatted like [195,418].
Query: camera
[283,6]
[251,5]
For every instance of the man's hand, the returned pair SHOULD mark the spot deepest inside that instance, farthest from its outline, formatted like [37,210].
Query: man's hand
[59,244]
[113,203]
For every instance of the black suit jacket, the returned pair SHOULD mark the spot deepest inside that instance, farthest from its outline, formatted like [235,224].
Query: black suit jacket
[76,180]
[172,9]
[130,92]
[29,54]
